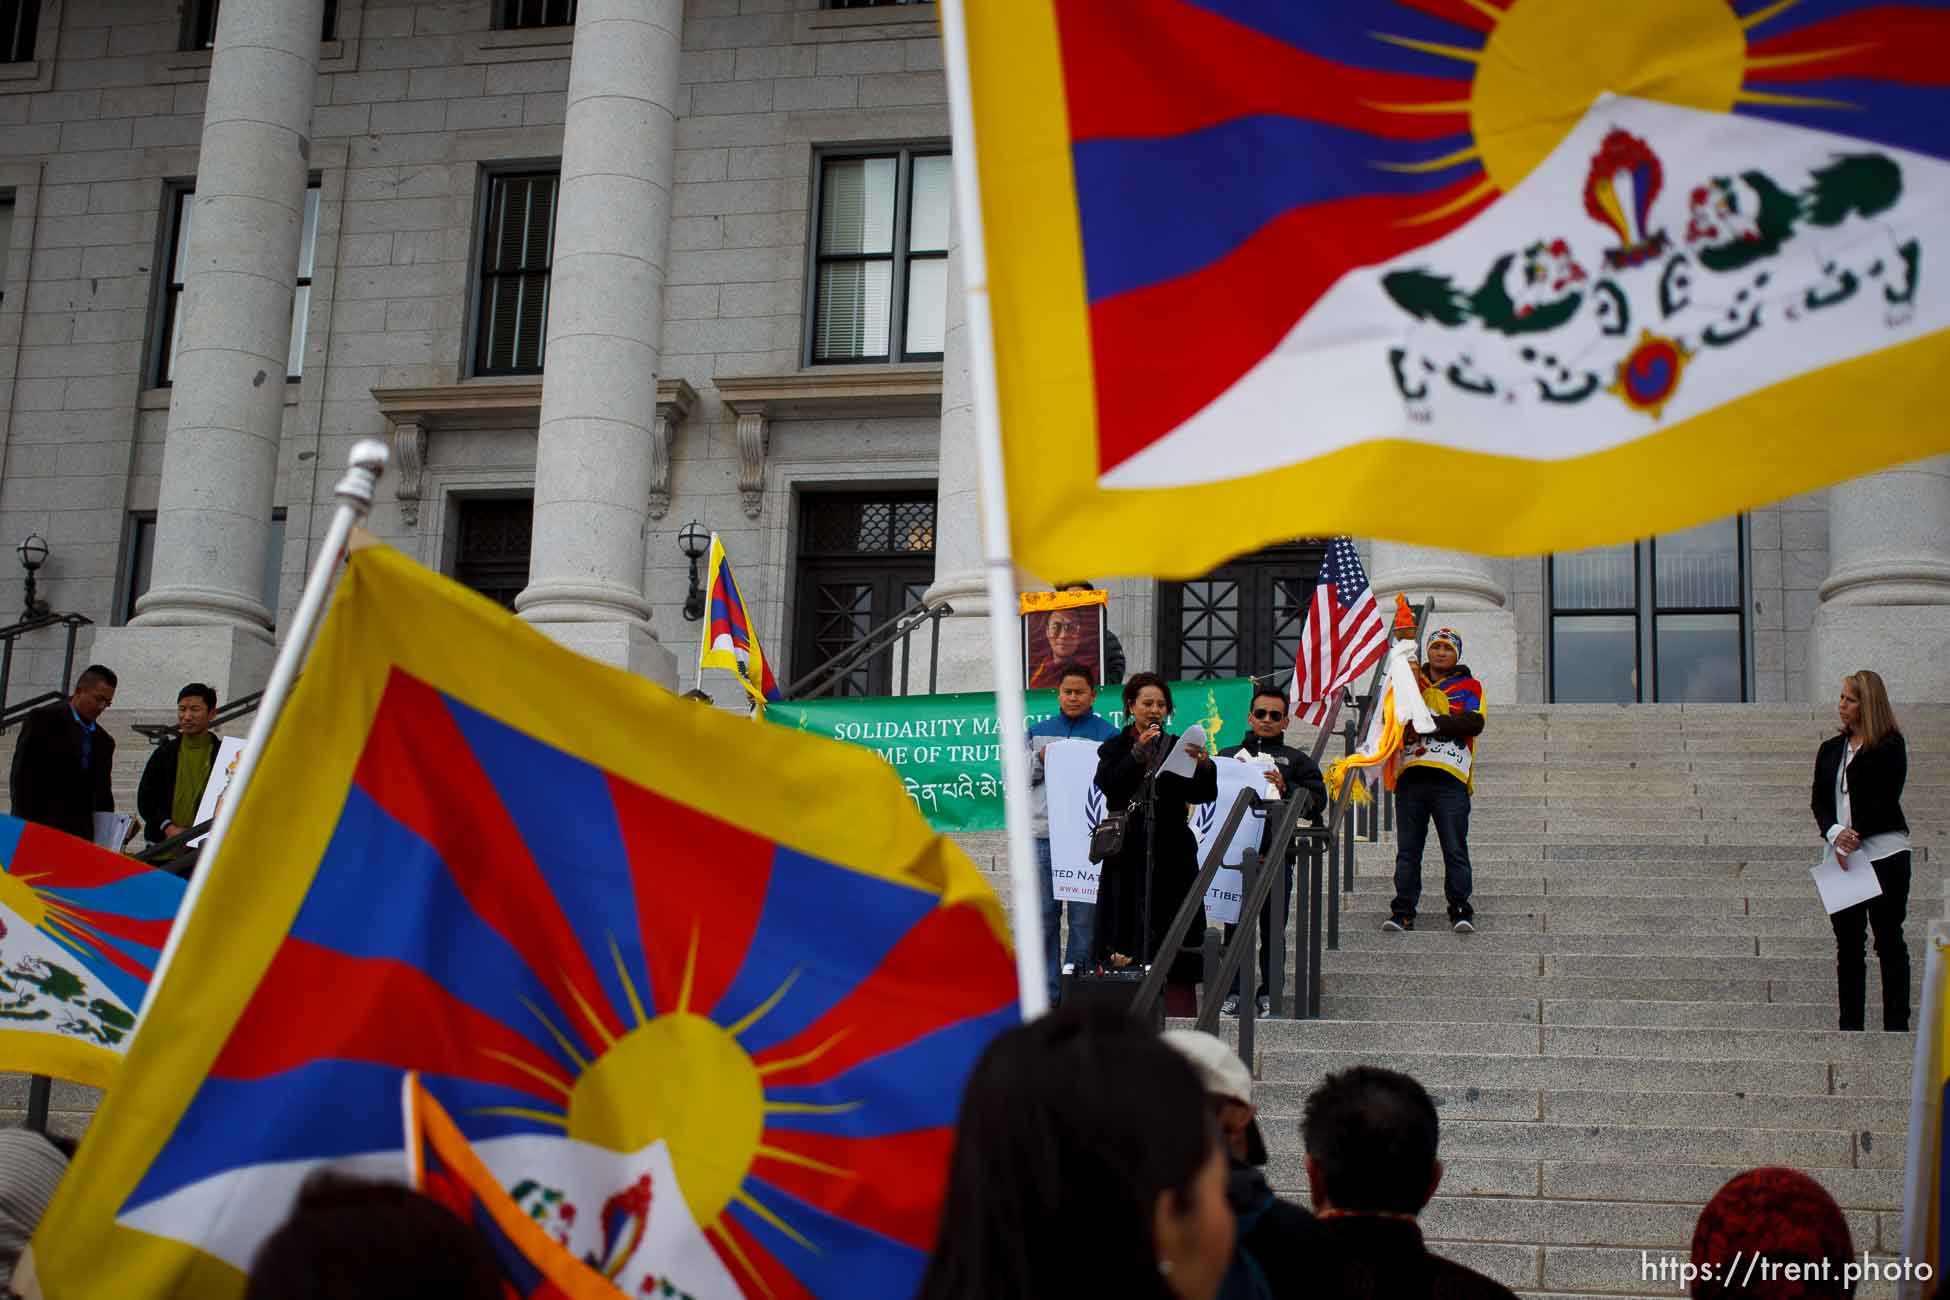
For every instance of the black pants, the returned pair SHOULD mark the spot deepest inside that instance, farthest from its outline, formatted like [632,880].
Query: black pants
[1884,915]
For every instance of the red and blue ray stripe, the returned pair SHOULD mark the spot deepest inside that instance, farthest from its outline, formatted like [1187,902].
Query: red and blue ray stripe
[1236,196]
[470,918]
[1880,69]
[111,913]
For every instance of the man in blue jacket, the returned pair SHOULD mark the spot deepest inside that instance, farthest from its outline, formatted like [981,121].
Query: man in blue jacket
[1076,719]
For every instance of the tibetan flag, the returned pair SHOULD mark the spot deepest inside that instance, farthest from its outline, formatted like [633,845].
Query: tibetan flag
[1503,276]
[80,931]
[730,641]
[541,883]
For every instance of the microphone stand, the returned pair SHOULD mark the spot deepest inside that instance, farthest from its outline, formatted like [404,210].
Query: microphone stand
[1150,795]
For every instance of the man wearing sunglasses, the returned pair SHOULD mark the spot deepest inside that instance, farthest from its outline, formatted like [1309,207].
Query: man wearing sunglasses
[1293,771]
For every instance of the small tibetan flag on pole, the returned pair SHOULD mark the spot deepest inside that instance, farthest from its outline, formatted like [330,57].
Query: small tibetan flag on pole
[730,641]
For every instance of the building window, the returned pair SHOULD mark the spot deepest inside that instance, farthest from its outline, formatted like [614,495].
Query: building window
[493,537]
[200,30]
[517,245]
[880,257]
[863,558]
[139,554]
[20,23]
[510,14]
[1661,620]
[181,206]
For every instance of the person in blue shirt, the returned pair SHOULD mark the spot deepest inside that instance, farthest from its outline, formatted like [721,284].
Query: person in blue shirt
[1076,719]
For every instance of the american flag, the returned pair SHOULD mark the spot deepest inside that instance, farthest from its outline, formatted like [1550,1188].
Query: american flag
[1343,636]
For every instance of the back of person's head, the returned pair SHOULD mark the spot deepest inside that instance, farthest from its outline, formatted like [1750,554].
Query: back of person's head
[1782,1217]
[359,1239]
[95,675]
[31,1165]
[1134,686]
[1878,717]
[1072,1129]
[199,691]
[1371,1142]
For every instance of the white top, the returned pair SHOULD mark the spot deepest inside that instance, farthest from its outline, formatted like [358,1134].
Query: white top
[1875,847]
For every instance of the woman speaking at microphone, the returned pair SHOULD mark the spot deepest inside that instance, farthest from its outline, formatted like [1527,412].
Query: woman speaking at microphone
[1858,804]
[1124,764]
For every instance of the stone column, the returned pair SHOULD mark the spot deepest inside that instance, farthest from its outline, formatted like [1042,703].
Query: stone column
[1471,595]
[959,575]
[594,456]
[203,617]
[1886,604]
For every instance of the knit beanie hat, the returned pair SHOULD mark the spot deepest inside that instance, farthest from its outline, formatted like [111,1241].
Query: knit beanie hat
[1775,1217]
[1447,636]
[30,1169]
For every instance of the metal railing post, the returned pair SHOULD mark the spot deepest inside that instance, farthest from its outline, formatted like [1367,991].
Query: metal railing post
[1276,940]
[6,670]
[907,645]
[934,646]
[1246,933]
[67,657]
[1313,938]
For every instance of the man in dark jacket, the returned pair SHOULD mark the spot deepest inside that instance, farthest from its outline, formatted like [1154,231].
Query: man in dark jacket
[1293,772]
[1371,1164]
[64,760]
[1274,1249]
[179,769]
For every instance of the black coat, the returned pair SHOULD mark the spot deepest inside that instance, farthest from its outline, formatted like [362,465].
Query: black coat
[1278,1237]
[48,783]
[1369,1257]
[155,798]
[1875,785]
[1120,887]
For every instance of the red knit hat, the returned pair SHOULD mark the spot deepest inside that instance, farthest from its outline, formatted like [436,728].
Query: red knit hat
[1776,1217]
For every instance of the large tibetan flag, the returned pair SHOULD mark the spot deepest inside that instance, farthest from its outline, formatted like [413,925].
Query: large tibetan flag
[1495,275]
[1926,1180]
[543,884]
[729,639]
[80,931]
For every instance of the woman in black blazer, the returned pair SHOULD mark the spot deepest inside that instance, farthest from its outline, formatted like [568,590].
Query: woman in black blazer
[1858,804]
[1123,762]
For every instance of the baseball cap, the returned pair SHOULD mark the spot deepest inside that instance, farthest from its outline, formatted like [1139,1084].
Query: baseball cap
[1222,1074]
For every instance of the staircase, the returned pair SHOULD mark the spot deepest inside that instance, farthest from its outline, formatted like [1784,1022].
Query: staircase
[1647,1007]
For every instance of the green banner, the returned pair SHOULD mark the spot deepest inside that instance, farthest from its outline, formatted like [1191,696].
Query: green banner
[946,747]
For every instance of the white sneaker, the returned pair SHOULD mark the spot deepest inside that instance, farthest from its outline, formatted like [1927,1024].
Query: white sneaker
[1464,927]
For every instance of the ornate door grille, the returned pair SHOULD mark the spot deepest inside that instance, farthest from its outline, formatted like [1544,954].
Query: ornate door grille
[863,558]
[1243,619]
[495,534]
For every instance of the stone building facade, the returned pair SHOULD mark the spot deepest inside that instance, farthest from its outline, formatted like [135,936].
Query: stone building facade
[743,287]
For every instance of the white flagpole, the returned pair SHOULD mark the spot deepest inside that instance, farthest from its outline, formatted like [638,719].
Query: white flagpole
[1925,1121]
[1027,887]
[364,465]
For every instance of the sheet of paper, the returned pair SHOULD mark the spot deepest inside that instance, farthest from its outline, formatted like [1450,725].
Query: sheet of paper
[111,829]
[1840,889]
[1178,762]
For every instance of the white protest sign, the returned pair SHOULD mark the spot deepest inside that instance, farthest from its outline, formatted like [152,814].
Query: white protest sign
[1076,805]
[229,754]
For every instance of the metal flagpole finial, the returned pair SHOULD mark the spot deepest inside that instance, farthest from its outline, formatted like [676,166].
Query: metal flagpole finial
[363,468]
